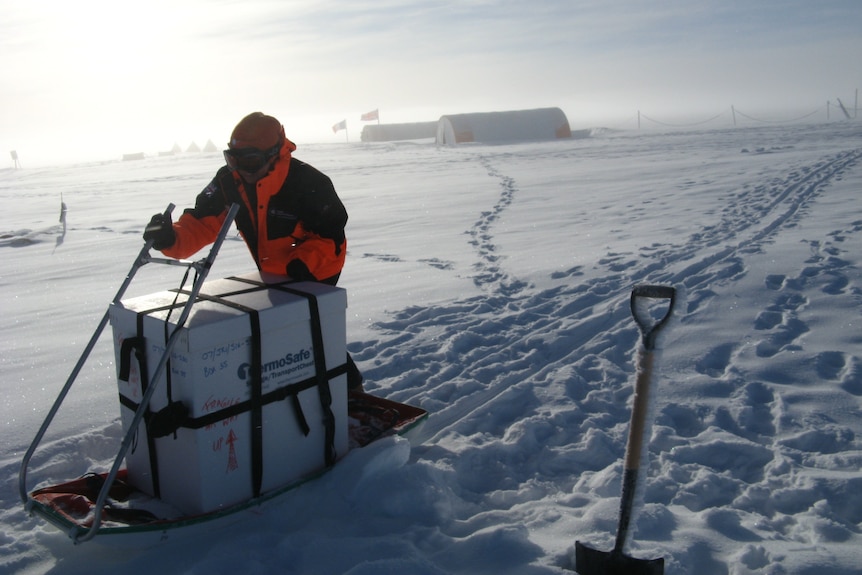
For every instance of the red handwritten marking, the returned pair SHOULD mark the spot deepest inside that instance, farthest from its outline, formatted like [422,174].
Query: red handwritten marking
[216,403]
[232,464]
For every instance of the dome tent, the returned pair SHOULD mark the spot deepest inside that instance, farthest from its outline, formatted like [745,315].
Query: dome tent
[514,126]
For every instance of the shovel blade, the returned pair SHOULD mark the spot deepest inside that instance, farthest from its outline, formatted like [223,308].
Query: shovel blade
[589,561]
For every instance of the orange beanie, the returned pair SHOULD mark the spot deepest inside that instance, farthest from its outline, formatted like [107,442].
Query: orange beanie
[257,130]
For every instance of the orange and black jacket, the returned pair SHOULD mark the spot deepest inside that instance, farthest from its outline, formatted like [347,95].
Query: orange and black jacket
[292,214]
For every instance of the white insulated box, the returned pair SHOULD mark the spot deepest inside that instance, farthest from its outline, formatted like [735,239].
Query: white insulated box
[208,467]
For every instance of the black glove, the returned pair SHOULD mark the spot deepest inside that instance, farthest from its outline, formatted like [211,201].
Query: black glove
[298,271]
[161,231]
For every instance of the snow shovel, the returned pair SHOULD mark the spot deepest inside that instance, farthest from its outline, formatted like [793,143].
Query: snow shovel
[589,561]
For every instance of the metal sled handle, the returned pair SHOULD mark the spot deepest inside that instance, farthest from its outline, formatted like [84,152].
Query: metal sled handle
[143,258]
[203,268]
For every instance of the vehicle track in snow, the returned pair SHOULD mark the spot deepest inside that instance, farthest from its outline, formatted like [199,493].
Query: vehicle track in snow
[481,352]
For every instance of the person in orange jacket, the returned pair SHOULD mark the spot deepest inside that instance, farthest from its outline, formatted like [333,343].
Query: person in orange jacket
[290,216]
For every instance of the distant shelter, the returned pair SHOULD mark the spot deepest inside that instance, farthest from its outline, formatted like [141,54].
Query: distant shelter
[498,127]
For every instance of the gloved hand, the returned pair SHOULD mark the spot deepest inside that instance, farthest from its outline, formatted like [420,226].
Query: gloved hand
[298,271]
[161,231]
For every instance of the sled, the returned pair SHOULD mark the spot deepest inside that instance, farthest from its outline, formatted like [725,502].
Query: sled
[144,520]
[107,504]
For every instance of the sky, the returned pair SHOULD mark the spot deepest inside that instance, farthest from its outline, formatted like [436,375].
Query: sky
[94,79]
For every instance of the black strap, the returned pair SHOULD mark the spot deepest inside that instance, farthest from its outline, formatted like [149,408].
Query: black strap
[320,372]
[300,416]
[137,344]
[153,422]
[141,354]
[256,377]
[129,346]
[323,389]
[280,394]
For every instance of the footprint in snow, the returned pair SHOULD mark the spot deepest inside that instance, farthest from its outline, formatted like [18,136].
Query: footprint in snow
[716,361]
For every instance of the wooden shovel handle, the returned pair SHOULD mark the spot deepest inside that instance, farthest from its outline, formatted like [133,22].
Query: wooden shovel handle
[639,410]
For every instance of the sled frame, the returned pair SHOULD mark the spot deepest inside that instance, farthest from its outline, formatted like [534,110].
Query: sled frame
[202,268]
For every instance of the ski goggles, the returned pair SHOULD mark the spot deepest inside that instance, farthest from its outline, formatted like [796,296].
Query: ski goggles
[250,160]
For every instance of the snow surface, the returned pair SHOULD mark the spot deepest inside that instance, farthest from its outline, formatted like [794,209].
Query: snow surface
[490,285]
